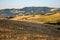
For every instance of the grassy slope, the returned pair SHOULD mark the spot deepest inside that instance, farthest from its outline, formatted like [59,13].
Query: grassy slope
[40,18]
[47,18]
[17,30]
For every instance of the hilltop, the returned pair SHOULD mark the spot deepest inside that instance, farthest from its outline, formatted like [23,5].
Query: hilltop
[27,11]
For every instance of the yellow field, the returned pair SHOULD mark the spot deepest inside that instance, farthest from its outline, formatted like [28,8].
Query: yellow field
[54,18]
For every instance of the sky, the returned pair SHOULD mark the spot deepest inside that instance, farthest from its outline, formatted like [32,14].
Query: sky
[29,3]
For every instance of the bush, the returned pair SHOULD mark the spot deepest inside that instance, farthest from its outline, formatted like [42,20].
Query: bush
[9,17]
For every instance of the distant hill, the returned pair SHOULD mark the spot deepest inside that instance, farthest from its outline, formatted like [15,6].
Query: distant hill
[27,10]
[8,12]
[36,9]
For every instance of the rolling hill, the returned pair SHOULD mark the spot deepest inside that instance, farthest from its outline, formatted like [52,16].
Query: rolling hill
[47,18]
[27,10]
[20,30]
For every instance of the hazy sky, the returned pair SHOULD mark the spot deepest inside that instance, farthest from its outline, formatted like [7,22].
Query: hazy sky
[27,3]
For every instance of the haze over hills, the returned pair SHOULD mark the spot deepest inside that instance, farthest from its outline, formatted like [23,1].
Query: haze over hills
[27,10]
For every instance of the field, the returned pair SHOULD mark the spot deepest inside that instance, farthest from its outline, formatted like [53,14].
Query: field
[21,30]
[53,18]
[30,27]
[47,18]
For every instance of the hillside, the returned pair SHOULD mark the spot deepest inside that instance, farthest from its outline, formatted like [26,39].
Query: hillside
[27,11]
[47,18]
[20,30]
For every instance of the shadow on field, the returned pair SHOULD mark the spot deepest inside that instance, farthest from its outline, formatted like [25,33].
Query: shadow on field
[19,30]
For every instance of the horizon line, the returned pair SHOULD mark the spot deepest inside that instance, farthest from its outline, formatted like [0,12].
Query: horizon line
[28,6]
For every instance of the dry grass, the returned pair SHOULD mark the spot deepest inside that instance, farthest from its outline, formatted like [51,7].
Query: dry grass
[14,29]
[39,18]
[47,18]
[17,30]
